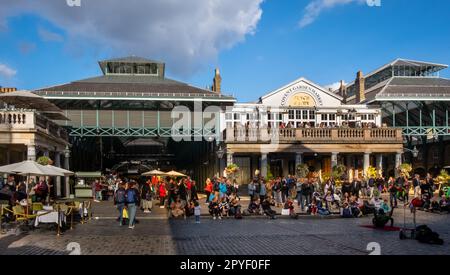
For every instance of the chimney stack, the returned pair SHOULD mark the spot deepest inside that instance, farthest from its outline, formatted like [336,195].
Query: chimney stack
[343,91]
[360,87]
[217,82]
[7,90]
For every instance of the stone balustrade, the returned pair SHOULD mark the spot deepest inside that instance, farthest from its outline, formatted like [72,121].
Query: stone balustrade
[314,135]
[11,120]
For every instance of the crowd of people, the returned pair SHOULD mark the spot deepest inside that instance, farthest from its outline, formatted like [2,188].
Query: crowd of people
[15,191]
[310,196]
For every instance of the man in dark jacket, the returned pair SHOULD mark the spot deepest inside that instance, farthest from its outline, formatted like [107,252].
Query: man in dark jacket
[356,187]
[347,188]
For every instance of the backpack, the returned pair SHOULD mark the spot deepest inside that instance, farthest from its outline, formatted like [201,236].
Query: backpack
[120,196]
[425,235]
[131,196]
[347,213]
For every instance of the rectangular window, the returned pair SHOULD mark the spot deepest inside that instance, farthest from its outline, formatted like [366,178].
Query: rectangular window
[312,114]
[305,114]
[237,116]
[229,116]
[298,114]
[291,114]
[324,116]
[371,117]
[332,117]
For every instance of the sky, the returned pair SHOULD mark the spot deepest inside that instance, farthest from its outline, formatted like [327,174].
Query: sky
[258,45]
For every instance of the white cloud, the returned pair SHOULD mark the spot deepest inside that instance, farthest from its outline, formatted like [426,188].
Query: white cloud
[333,86]
[316,7]
[186,34]
[6,71]
[49,36]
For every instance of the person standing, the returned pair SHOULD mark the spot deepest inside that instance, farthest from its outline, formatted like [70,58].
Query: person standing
[262,190]
[197,211]
[392,192]
[356,187]
[194,194]
[236,189]
[416,185]
[430,181]
[119,201]
[147,197]
[252,189]
[132,203]
[208,189]
[162,193]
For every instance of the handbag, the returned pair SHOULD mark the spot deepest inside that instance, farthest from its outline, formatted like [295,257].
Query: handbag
[125,213]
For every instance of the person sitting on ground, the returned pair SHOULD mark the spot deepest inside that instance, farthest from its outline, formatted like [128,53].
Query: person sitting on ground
[312,207]
[177,208]
[444,204]
[346,211]
[235,207]
[253,207]
[321,210]
[265,204]
[214,210]
[354,207]
[376,202]
[290,205]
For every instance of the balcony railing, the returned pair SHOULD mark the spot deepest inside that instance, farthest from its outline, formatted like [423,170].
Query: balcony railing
[12,120]
[314,135]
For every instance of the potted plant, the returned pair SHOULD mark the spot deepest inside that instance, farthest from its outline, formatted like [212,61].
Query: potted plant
[44,160]
[302,170]
[405,169]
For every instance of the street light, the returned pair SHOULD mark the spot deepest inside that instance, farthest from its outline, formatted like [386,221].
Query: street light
[414,151]
[220,152]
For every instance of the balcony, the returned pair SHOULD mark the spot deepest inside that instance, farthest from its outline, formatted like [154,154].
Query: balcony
[314,135]
[29,120]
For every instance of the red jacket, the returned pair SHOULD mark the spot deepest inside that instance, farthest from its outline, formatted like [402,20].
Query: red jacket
[162,190]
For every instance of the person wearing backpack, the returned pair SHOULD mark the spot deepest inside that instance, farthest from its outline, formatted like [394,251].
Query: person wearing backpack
[132,201]
[119,201]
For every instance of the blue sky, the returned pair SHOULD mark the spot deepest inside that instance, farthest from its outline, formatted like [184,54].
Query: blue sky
[41,48]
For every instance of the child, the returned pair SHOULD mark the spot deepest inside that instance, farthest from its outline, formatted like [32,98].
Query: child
[197,211]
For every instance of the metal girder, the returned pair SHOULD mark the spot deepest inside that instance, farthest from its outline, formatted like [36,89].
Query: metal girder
[425,131]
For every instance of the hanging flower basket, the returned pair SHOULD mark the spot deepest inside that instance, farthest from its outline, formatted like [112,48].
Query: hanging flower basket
[232,169]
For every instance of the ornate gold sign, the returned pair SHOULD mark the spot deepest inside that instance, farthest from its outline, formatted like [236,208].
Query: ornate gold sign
[301,100]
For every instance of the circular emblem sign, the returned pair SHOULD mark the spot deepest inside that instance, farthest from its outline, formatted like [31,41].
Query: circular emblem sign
[301,100]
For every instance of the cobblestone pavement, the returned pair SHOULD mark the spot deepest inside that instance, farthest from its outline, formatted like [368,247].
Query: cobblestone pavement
[157,235]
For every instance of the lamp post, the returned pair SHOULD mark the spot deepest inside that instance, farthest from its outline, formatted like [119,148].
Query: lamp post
[414,151]
[220,153]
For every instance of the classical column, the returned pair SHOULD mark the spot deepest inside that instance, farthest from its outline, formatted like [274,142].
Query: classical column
[380,164]
[298,159]
[334,161]
[229,158]
[285,165]
[8,156]
[366,163]
[58,179]
[31,152]
[264,165]
[398,162]
[66,166]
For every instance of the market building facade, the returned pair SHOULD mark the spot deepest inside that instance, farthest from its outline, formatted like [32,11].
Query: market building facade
[303,122]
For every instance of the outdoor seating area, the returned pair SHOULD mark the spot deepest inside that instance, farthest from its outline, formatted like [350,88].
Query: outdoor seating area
[27,205]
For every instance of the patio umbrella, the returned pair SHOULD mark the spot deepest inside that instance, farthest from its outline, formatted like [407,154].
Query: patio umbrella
[154,173]
[175,174]
[28,100]
[29,168]
[61,170]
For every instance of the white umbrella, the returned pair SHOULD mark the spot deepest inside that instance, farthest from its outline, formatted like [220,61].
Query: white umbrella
[29,168]
[175,174]
[154,173]
[61,170]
